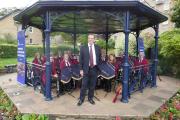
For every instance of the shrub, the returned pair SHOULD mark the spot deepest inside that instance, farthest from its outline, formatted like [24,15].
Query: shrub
[169,52]
[8,51]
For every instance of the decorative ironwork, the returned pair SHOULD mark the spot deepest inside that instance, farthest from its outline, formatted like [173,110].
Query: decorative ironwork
[139,79]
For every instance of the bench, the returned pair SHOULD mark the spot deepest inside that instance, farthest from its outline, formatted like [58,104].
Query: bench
[10,68]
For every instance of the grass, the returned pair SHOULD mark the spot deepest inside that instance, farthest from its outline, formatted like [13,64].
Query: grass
[7,61]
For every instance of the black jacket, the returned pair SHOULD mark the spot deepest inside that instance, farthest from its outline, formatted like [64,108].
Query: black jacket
[84,57]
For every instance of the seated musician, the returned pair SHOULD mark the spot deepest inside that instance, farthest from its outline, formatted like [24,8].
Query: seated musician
[58,61]
[119,58]
[43,59]
[72,58]
[36,62]
[141,69]
[36,59]
[108,84]
[101,81]
[54,61]
[36,70]
[73,61]
[53,69]
[103,55]
[115,63]
[63,64]
[141,62]
[60,56]
[43,63]
[70,54]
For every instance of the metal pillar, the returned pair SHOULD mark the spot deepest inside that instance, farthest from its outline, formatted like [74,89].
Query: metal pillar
[47,53]
[137,42]
[74,34]
[107,37]
[125,93]
[43,41]
[155,62]
[74,37]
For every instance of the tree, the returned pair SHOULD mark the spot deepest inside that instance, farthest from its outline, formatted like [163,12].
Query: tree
[67,37]
[176,14]
[82,39]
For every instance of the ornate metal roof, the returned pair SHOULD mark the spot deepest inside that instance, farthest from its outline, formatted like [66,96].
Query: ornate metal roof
[90,16]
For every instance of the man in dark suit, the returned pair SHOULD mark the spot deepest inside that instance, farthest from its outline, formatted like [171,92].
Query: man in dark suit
[90,56]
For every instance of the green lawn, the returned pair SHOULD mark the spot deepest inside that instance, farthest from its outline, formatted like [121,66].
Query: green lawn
[6,61]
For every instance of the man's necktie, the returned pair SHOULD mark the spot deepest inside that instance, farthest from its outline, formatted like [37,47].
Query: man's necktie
[91,57]
[67,63]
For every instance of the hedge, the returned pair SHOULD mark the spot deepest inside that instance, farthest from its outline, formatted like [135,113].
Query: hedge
[10,51]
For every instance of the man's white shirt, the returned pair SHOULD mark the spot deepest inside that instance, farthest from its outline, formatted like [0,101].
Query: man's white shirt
[94,54]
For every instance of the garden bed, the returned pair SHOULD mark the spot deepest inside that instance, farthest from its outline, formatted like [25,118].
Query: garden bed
[8,110]
[170,110]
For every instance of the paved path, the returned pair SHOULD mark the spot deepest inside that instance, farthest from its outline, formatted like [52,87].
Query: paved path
[140,104]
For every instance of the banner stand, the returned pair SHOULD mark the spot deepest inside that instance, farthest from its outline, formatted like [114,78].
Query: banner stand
[21,58]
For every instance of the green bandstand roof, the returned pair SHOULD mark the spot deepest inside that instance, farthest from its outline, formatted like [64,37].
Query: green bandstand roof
[90,16]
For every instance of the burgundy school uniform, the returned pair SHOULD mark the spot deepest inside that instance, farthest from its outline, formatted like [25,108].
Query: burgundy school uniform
[74,61]
[54,66]
[144,62]
[117,66]
[43,60]
[36,61]
[59,59]
[63,64]
[53,70]
[119,59]
[35,68]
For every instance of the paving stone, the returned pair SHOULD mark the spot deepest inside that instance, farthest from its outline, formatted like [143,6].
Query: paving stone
[64,107]
[27,102]
[164,91]
[156,98]
[142,108]
[16,93]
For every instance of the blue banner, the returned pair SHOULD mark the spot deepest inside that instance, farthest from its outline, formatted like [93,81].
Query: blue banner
[140,44]
[21,57]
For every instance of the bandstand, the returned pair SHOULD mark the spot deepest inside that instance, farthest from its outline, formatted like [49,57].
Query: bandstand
[98,17]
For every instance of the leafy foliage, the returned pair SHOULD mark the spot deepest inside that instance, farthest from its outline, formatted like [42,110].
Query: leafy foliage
[10,112]
[34,117]
[169,55]
[82,39]
[68,38]
[6,106]
[170,43]
[176,14]
[102,43]
[168,111]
